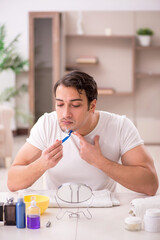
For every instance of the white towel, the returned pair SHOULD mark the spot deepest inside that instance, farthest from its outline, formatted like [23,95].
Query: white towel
[139,205]
[101,198]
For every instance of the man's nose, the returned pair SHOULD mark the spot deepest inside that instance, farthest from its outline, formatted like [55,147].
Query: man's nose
[67,112]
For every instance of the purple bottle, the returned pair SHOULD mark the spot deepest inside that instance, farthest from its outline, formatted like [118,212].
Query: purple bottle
[33,216]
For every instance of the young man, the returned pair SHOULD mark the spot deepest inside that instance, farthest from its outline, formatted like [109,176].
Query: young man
[91,154]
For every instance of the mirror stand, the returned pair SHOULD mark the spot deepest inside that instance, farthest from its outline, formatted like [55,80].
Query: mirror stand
[85,212]
[74,194]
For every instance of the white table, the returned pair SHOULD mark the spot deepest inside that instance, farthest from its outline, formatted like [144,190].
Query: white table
[106,223]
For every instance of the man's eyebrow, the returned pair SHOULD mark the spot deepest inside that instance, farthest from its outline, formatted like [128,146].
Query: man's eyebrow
[72,100]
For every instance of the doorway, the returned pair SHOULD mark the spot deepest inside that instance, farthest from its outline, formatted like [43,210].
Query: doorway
[44,46]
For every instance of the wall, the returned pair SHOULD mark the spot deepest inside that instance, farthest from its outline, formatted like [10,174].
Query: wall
[143,106]
[15,15]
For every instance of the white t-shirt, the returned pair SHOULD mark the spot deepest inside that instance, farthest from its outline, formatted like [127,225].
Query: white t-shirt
[117,136]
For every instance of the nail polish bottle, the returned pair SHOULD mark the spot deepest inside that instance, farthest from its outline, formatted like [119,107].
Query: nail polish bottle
[10,212]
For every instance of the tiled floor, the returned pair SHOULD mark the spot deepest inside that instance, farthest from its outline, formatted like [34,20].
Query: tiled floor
[20,140]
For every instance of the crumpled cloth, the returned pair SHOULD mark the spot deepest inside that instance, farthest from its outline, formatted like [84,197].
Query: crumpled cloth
[140,205]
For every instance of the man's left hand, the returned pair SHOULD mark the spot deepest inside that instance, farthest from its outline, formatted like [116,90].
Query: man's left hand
[91,153]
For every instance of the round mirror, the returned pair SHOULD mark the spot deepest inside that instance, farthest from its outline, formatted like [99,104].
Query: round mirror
[74,192]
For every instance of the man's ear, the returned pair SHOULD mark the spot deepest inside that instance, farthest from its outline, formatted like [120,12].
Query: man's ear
[93,105]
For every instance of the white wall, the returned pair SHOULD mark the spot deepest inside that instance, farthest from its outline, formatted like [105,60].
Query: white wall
[14,13]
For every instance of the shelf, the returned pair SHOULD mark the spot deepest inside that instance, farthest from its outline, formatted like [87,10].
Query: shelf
[148,48]
[103,36]
[147,75]
[75,66]
[107,50]
[106,91]
[112,92]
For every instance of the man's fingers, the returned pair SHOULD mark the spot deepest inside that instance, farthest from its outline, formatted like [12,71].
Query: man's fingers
[79,136]
[55,145]
[82,139]
[56,152]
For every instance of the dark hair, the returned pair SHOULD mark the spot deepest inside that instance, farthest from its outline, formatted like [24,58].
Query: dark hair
[81,81]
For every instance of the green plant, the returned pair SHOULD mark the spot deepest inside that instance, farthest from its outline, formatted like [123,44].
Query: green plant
[12,92]
[9,57]
[145,31]
[25,117]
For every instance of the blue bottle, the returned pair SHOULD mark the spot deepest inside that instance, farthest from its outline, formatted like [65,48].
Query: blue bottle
[20,214]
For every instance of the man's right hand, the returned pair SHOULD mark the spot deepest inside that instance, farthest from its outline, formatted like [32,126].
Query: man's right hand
[31,163]
[52,155]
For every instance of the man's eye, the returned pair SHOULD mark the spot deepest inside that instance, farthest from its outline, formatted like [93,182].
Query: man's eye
[76,106]
[59,105]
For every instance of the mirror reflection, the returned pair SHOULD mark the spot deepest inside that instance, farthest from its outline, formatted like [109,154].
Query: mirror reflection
[74,192]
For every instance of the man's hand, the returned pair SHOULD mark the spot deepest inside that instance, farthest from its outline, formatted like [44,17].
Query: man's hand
[31,163]
[91,153]
[52,155]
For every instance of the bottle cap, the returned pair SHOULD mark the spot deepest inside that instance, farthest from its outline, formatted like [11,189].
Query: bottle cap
[20,199]
[10,200]
[153,212]
[33,203]
[133,220]
[133,223]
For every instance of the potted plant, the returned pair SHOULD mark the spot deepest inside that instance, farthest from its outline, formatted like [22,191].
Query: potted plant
[144,36]
[9,57]
[11,63]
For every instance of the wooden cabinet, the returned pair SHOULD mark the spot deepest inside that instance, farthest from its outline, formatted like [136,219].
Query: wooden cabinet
[44,51]
[127,75]
[110,51]
[109,37]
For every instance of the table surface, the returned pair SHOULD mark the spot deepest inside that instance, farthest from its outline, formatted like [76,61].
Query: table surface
[106,223]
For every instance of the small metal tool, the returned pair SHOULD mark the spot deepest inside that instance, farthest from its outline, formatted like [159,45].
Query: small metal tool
[48,224]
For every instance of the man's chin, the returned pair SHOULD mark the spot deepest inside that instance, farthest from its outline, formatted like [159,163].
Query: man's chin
[66,129]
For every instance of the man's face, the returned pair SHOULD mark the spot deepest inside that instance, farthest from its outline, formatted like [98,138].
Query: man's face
[72,109]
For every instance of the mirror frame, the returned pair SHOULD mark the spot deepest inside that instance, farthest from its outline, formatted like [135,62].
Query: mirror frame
[79,185]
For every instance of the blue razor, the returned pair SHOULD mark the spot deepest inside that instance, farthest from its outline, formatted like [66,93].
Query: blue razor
[64,139]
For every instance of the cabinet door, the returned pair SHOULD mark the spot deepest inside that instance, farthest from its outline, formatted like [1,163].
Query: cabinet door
[44,46]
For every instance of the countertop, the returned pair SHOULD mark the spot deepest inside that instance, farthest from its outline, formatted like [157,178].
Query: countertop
[106,223]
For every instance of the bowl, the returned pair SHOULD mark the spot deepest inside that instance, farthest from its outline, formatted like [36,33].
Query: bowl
[41,201]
